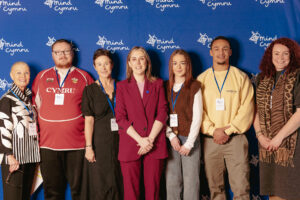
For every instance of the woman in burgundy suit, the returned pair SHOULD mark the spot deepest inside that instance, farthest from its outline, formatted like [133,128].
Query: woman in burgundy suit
[141,113]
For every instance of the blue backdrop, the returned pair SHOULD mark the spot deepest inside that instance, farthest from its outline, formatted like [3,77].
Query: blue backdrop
[28,28]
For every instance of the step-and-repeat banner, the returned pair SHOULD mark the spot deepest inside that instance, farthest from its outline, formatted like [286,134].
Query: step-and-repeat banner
[28,28]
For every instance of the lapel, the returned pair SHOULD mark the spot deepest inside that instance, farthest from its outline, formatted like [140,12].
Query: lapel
[134,92]
[147,92]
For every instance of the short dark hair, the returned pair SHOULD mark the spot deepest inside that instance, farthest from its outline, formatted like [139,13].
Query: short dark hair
[63,41]
[220,38]
[102,52]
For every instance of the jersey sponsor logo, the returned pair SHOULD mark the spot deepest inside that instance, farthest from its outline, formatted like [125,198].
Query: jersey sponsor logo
[60,90]
[266,3]
[261,40]
[214,4]
[11,7]
[204,39]
[12,48]
[162,44]
[162,5]
[61,6]
[112,5]
[112,45]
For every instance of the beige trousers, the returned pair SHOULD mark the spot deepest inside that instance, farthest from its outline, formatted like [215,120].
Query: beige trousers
[233,157]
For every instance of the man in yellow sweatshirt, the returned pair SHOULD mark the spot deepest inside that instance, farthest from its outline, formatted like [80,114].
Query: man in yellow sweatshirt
[228,111]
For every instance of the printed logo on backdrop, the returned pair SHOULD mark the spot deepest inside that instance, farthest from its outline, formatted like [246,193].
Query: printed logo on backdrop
[261,40]
[12,48]
[266,3]
[11,7]
[254,160]
[61,6]
[214,4]
[111,45]
[4,84]
[162,5]
[162,44]
[112,5]
[205,40]
[51,41]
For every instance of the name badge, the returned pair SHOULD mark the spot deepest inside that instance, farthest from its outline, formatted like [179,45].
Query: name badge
[59,99]
[220,104]
[32,129]
[113,124]
[173,120]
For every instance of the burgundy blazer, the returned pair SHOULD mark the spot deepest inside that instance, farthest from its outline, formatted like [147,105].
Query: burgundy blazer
[131,109]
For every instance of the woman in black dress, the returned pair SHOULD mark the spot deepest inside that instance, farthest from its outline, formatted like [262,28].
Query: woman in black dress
[102,178]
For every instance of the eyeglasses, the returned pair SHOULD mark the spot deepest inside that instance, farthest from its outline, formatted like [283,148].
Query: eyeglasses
[8,179]
[66,52]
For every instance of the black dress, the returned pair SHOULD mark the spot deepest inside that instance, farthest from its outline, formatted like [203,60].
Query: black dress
[278,180]
[102,180]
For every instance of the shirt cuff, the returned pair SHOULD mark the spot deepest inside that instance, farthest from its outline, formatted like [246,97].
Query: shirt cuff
[188,146]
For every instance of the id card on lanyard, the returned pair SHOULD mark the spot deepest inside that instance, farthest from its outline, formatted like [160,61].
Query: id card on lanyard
[59,98]
[174,116]
[32,130]
[113,122]
[220,102]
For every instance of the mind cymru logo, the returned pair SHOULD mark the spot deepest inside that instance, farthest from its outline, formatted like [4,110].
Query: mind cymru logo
[267,3]
[204,39]
[112,45]
[51,41]
[261,40]
[161,44]
[214,4]
[11,7]
[112,5]
[4,84]
[163,5]
[12,48]
[61,6]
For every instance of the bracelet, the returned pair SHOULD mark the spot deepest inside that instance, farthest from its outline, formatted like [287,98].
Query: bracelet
[258,133]
[88,146]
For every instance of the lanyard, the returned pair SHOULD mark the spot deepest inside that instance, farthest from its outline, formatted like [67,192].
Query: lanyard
[29,111]
[220,90]
[60,85]
[109,102]
[173,103]
[282,72]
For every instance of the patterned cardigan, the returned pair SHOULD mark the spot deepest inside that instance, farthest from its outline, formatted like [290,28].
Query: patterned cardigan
[15,120]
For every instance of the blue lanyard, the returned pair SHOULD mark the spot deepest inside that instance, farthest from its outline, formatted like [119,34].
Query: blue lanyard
[109,102]
[60,85]
[173,103]
[29,111]
[277,79]
[220,90]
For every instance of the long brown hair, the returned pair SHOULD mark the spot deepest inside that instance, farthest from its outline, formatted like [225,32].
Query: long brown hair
[129,71]
[267,67]
[188,74]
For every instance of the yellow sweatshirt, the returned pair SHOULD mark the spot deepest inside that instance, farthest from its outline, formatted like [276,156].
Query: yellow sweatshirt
[238,96]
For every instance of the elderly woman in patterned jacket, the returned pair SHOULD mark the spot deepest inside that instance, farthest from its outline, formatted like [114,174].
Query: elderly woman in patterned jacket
[19,149]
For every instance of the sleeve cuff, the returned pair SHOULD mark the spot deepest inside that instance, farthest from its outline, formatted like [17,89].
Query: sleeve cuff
[188,146]
[171,136]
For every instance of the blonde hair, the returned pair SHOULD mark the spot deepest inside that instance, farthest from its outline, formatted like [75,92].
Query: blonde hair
[129,71]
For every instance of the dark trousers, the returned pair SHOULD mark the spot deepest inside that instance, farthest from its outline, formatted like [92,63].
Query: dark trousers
[18,185]
[131,171]
[59,167]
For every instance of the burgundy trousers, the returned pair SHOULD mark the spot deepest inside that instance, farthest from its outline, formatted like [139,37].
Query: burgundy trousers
[131,171]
